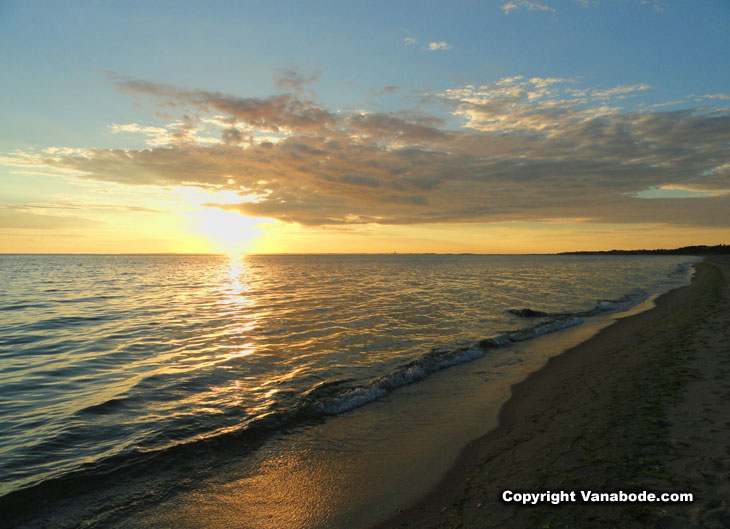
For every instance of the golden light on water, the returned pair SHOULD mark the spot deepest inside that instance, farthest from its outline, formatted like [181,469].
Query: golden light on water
[235,271]
[240,353]
[236,305]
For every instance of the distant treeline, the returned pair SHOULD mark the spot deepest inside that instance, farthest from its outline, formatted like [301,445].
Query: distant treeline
[684,250]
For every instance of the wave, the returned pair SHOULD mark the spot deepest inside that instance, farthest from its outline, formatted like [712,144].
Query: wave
[23,305]
[621,304]
[679,271]
[346,399]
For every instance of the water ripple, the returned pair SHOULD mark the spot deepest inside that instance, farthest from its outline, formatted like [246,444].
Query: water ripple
[116,355]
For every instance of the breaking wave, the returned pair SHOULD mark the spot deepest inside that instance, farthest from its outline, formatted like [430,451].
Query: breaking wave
[621,304]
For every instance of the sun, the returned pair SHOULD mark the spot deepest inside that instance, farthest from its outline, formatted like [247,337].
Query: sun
[227,231]
[206,215]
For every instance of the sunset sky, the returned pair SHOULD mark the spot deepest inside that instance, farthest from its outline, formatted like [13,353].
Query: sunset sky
[494,126]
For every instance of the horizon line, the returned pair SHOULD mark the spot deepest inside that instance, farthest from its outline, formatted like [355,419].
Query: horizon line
[363,253]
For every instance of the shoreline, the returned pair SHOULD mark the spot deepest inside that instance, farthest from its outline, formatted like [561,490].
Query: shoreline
[553,435]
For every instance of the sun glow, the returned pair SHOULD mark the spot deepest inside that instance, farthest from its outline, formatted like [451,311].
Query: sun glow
[224,231]
[228,231]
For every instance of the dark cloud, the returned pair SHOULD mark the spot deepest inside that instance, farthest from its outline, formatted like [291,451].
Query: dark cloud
[232,136]
[395,128]
[294,79]
[385,91]
[527,152]
[273,113]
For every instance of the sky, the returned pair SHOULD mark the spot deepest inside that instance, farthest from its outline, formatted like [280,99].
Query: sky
[493,126]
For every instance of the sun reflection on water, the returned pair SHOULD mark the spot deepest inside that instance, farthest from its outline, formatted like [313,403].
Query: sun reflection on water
[234,306]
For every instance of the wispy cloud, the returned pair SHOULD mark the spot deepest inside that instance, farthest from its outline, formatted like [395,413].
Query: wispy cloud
[666,104]
[531,5]
[274,113]
[386,90]
[182,131]
[725,97]
[294,79]
[658,5]
[409,41]
[37,207]
[15,218]
[619,91]
[440,45]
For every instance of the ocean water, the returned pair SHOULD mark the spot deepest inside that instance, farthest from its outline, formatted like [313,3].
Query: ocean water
[111,363]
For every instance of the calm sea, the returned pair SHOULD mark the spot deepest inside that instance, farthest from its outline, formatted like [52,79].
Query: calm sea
[107,362]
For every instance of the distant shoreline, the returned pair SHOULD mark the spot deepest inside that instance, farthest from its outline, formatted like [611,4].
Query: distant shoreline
[718,249]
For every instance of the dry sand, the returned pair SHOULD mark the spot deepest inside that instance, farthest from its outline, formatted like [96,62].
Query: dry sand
[643,405]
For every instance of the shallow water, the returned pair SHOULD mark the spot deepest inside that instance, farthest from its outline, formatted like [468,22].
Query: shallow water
[108,360]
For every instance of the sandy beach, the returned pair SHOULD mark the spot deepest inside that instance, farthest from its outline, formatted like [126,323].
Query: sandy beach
[641,406]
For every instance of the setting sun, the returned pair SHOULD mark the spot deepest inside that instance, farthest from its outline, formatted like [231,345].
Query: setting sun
[227,231]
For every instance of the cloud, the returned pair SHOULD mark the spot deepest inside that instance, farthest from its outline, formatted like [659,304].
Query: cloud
[177,132]
[666,104]
[440,45]
[527,149]
[725,97]
[656,4]
[619,91]
[413,129]
[409,41]
[274,113]
[387,90]
[512,5]
[533,5]
[15,218]
[294,79]
[82,206]
[542,83]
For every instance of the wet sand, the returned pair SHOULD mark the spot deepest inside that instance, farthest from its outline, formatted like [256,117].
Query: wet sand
[642,405]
